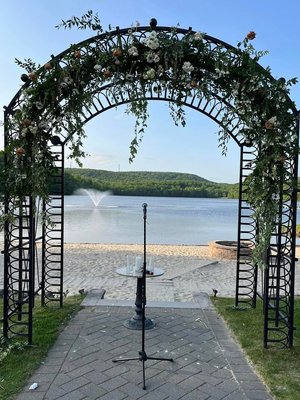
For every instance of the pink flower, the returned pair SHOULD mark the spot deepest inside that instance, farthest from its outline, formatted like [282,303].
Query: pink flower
[20,151]
[117,52]
[251,35]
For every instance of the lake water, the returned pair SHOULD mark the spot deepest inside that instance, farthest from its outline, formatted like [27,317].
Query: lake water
[170,220]
[119,219]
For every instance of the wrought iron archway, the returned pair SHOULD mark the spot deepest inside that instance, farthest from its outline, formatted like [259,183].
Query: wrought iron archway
[27,274]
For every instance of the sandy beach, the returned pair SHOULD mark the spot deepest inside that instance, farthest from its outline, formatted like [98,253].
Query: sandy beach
[153,249]
[201,251]
[188,270]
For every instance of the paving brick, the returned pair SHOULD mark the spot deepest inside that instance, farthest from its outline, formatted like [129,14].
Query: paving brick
[81,371]
[54,393]
[96,377]
[155,395]
[196,395]
[37,377]
[238,395]
[92,391]
[202,368]
[114,395]
[229,386]
[113,383]
[74,384]
[257,395]
[49,369]
[213,391]
[74,395]
[133,391]
[31,396]
[191,383]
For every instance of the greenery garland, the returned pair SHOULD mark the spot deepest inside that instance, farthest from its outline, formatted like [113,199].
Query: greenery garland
[55,94]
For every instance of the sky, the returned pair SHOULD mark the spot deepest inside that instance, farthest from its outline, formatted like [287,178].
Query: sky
[28,30]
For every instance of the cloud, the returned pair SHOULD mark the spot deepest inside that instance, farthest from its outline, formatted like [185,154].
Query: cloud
[97,161]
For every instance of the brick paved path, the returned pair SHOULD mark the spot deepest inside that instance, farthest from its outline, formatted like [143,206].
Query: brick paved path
[208,365]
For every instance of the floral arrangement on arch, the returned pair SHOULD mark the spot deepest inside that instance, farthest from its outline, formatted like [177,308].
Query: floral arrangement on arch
[54,95]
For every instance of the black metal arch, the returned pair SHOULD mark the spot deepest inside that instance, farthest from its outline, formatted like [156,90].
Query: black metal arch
[213,107]
[28,272]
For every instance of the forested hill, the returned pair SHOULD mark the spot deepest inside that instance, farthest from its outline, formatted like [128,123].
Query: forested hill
[144,183]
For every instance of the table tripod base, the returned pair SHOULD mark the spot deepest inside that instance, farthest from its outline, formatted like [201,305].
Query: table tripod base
[143,357]
[137,323]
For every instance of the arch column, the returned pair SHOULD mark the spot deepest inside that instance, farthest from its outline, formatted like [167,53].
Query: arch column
[20,271]
[246,272]
[53,232]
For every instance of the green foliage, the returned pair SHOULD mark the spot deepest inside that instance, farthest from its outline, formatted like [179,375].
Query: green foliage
[280,368]
[87,21]
[146,183]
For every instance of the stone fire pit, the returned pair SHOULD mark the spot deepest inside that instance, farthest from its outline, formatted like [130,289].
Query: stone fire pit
[227,249]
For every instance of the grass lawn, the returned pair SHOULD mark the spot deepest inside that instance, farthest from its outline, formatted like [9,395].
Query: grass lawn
[280,369]
[21,361]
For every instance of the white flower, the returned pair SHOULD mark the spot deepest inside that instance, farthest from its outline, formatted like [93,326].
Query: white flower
[149,74]
[26,93]
[97,67]
[152,42]
[132,51]
[33,130]
[39,105]
[150,57]
[153,35]
[68,80]
[198,36]
[43,125]
[24,132]
[187,67]
[156,58]
[221,72]
[273,120]
[160,70]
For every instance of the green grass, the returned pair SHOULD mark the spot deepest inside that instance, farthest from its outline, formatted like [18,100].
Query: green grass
[19,364]
[280,368]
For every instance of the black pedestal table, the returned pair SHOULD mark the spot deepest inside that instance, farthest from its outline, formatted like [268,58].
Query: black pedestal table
[136,321]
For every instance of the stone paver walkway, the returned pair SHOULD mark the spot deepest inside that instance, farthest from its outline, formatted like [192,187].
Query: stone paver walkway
[208,364]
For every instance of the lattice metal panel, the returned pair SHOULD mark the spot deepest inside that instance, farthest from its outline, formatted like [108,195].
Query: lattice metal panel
[280,276]
[53,233]
[21,268]
[246,274]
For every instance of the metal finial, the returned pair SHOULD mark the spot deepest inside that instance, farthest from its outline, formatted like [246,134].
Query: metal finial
[153,22]
[24,77]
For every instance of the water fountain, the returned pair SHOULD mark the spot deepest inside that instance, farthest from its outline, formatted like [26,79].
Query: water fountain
[96,196]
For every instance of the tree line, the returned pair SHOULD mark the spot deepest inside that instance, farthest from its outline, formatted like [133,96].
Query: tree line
[140,183]
[144,183]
